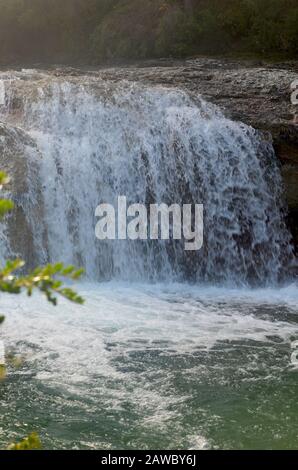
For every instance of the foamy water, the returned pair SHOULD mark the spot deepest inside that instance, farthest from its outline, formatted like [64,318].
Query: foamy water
[144,362]
[94,140]
[140,365]
[2,93]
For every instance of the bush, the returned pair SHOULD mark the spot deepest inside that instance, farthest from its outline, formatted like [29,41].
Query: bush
[290,34]
[97,30]
[128,31]
[178,33]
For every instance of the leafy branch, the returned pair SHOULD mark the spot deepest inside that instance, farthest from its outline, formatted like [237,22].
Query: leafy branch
[47,280]
[32,442]
[42,279]
[5,204]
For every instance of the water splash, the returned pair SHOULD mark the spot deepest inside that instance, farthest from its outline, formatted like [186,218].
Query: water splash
[2,93]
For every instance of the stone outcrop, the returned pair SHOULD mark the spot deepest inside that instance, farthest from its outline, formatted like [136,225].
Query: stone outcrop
[253,92]
[14,147]
[257,93]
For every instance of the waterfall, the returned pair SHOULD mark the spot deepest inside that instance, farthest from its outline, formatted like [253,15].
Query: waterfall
[86,141]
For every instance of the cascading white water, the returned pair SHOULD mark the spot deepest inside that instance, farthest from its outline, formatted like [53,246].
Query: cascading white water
[141,365]
[97,140]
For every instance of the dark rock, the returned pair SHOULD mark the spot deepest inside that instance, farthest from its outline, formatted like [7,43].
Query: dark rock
[254,92]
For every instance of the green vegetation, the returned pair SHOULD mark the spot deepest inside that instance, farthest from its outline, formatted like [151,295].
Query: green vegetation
[32,442]
[95,31]
[43,279]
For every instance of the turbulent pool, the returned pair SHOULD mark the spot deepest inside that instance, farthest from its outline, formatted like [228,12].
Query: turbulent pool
[172,349]
[153,367]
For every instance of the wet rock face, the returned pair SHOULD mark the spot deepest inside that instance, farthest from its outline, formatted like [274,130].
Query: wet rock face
[12,143]
[14,160]
[255,93]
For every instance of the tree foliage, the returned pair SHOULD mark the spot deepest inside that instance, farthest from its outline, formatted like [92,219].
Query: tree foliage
[32,442]
[89,31]
[45,279]
[42,278]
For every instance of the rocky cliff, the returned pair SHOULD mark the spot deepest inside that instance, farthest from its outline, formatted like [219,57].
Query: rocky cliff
[253,92]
